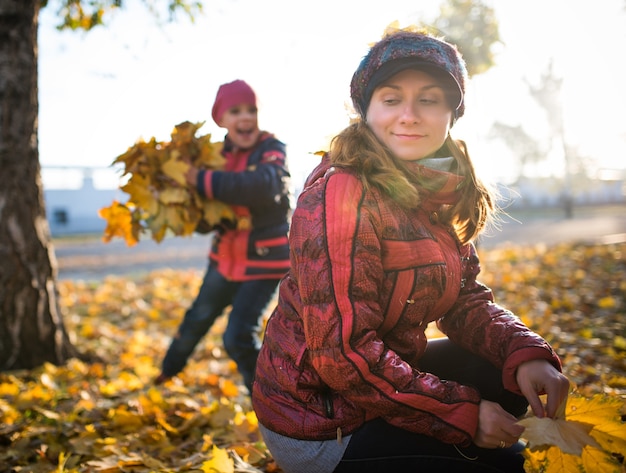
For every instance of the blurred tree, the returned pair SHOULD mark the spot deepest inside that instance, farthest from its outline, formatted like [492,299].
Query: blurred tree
[526,149]
[31,323]
[548,95]
[473,27]
[86,14]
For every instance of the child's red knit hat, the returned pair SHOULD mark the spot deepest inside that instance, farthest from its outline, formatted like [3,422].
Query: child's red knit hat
[229,95]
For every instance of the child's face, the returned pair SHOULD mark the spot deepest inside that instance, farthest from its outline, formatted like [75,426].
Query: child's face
[410,114]
[242,125]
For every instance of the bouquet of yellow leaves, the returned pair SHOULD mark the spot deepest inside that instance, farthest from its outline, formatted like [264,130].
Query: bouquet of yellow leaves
[159,198]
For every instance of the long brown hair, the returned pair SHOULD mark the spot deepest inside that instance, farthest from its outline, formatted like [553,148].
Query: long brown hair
[357,148]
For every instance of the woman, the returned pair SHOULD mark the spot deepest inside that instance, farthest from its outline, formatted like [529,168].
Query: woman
[381,245]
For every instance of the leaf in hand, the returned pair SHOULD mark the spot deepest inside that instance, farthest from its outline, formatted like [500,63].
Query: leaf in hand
[570,436]
[176,170]
[160,201]
[141,193]
[589,436]
[174,195]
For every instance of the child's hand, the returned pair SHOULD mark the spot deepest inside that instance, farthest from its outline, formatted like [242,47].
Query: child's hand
[191,176]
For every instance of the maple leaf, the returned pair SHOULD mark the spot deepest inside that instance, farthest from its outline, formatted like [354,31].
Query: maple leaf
[209,154]
[119,223]
[176,170]
[141,193]
[131,155]
[587,435]
[215,211]
[174,195]
[603,412]
[570,436]
[184,132]
[219,463]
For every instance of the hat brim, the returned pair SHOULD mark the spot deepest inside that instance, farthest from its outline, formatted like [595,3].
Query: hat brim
[393,67]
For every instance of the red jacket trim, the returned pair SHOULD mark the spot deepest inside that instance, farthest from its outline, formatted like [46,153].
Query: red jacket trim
[208,184]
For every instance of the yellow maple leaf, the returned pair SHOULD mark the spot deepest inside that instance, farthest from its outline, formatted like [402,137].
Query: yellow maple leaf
[184,132]
[219,463]
[176,169]
[553,460]
[603,412]
[584,438]
[119,223]
[215,211]
[174,195]
[141,193]
[548,459]
[159,222]
[209,155]
[131,155]
[570,436]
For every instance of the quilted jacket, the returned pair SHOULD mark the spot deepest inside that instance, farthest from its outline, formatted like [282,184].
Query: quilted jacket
[256,183]
[344,343]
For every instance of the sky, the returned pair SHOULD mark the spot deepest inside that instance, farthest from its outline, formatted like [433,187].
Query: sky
[101,91]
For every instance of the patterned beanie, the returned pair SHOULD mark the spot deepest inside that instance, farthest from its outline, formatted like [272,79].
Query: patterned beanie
[404,49]
[232,94]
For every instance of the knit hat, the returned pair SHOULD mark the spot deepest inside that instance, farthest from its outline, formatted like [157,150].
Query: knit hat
[229,95]
[405,49]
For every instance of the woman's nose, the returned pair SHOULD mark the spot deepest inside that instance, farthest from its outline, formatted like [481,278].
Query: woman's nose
[410,114]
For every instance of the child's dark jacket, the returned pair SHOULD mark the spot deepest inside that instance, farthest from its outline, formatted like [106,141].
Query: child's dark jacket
[256,183]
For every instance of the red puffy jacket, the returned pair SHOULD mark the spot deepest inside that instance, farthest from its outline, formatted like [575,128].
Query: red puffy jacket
[344,343]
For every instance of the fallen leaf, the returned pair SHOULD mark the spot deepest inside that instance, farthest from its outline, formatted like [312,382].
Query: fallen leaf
[219,463]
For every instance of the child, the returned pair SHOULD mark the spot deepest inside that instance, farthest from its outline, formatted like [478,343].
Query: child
[246,261]
[381,245]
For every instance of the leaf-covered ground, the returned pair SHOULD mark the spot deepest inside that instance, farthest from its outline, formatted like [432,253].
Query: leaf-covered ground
[105,415]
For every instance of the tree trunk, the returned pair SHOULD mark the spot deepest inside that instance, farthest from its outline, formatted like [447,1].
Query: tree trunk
[31,327]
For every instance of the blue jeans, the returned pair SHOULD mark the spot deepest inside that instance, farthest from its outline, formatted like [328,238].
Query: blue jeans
[241,338]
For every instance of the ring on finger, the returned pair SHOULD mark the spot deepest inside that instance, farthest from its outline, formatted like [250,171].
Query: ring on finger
[502,444]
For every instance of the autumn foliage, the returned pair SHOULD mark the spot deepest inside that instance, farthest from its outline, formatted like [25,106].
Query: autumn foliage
[589,435]
[160,201]
[103,414]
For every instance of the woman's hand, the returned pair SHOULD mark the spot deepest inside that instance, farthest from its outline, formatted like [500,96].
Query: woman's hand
[496,427]
[539,376]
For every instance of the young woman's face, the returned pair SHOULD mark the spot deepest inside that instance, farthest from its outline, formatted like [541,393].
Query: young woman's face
[409,113]
[242,125]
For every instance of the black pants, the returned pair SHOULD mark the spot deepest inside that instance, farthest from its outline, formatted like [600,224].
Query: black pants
[380,447]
